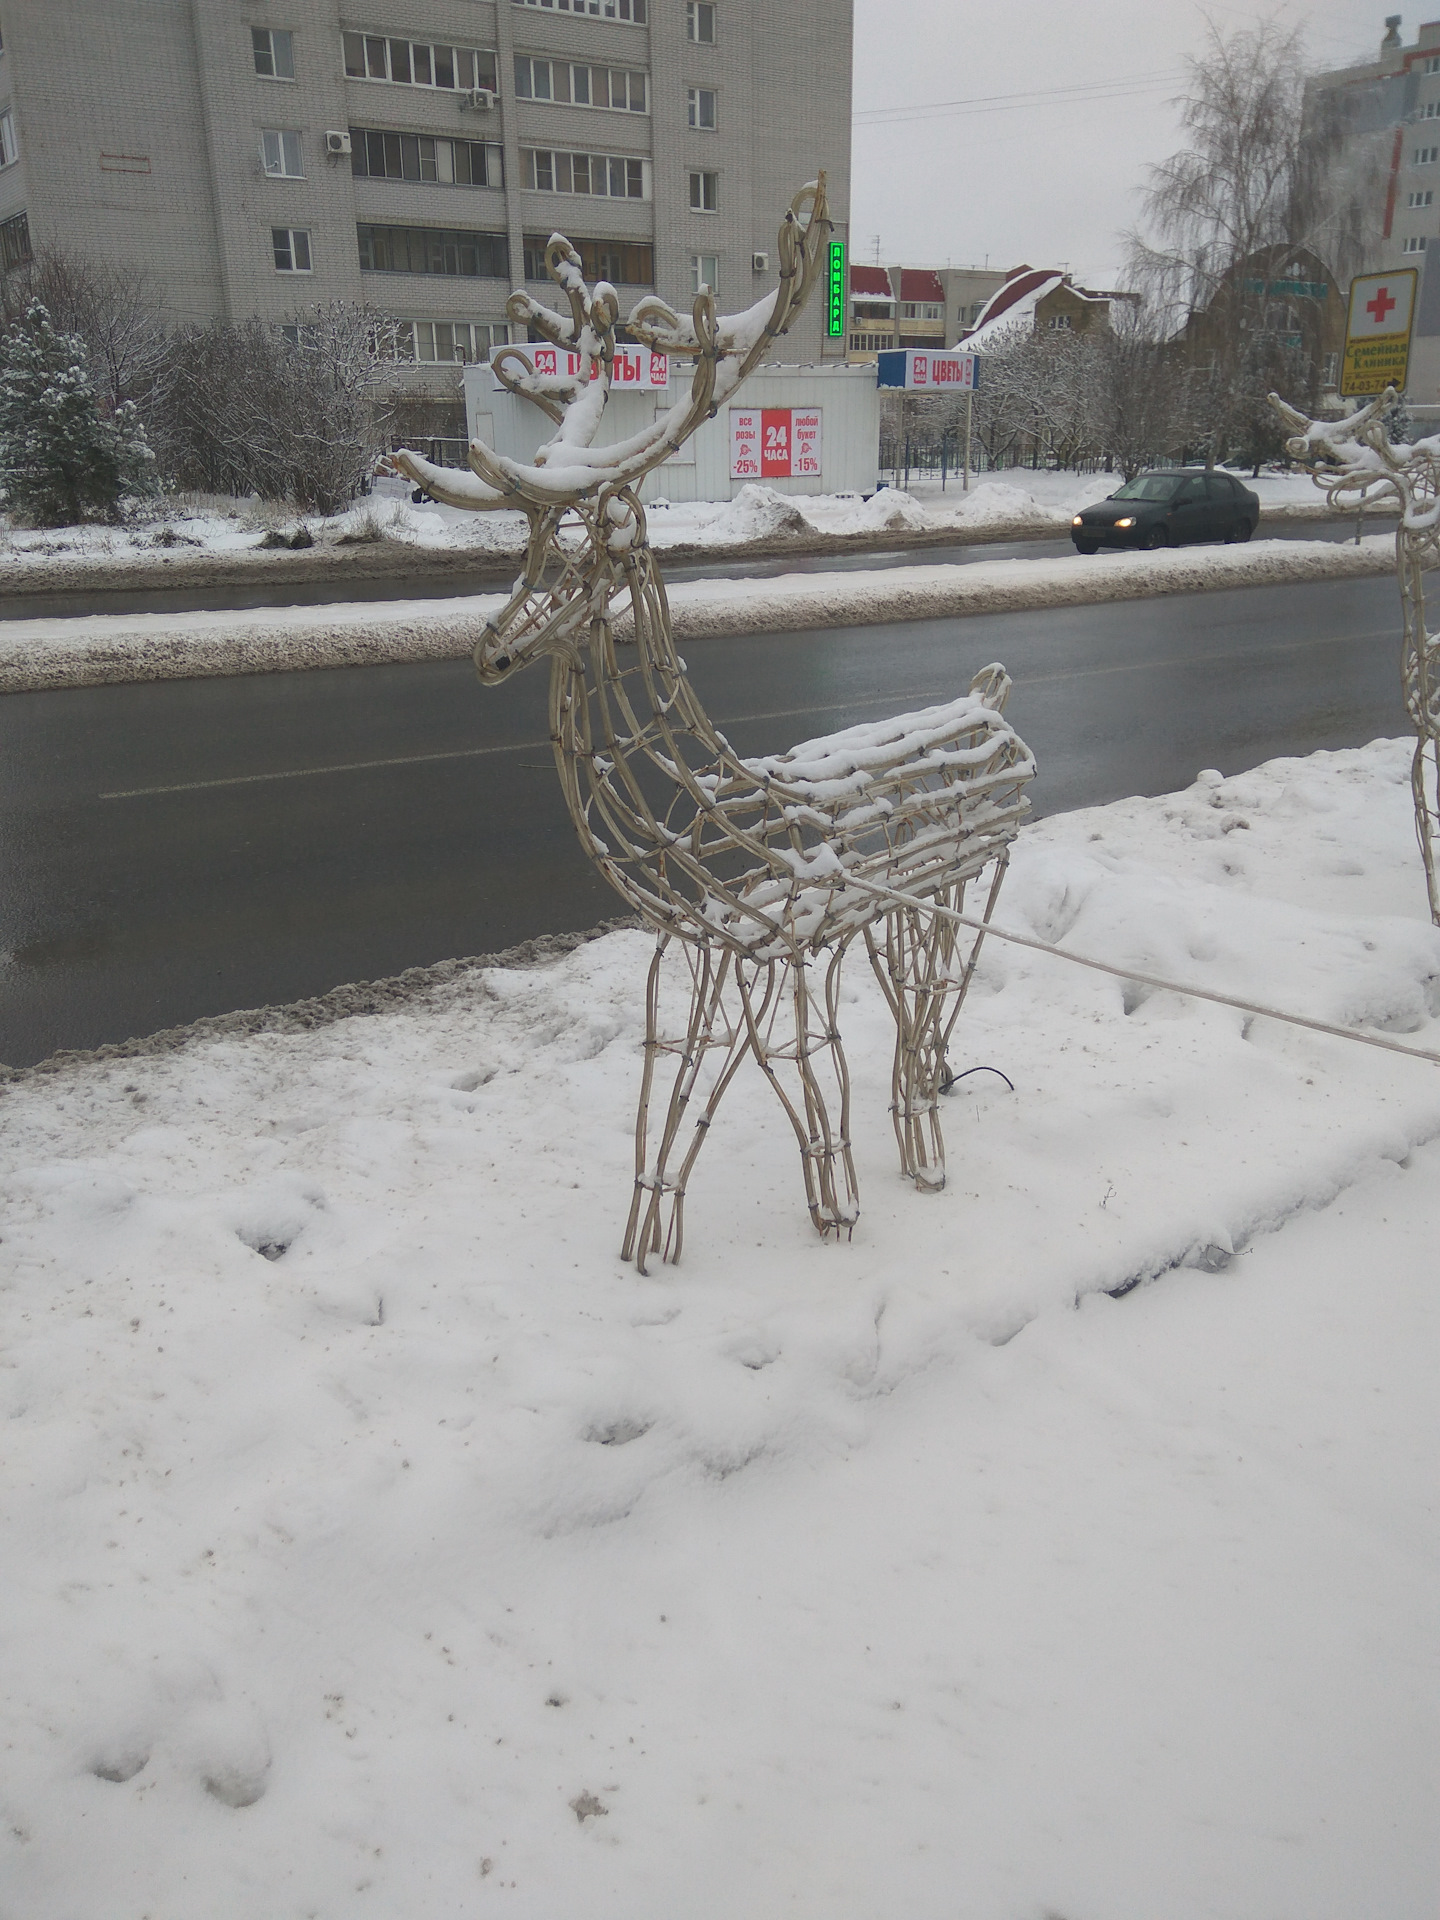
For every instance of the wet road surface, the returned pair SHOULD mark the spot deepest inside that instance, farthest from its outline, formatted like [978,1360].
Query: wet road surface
[190,847]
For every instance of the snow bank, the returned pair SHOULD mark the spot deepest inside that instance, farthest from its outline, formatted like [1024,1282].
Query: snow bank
[201,549]
[106,648]
[377,1542]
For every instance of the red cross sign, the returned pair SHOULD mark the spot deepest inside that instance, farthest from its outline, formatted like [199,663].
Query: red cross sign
[1377,335]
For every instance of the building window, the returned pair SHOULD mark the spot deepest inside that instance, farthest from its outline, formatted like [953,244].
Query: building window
[435,250]
[618,88]
[922,310]
[280,153]
[421,156]
[449,342]
[9,152]
[274,51]
[1430,110]
[871,342]
[1413,245]
[704,272]
[704,193]
[1422,199]
[632,10]
[1432,65]
[15,241]
[417,63]
[1060,323]
[624,263]
[700,22]
[609,175]
[291,247]
[700,108]
[1426,156]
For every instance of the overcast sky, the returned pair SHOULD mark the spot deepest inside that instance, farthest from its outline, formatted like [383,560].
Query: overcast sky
[1051,177]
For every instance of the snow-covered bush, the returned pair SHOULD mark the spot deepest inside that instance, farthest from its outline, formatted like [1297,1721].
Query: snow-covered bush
[62,459]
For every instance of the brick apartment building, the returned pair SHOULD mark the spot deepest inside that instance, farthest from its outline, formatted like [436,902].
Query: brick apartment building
[415,155]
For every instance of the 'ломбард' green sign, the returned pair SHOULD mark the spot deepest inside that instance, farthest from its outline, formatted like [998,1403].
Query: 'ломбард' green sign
[835,291]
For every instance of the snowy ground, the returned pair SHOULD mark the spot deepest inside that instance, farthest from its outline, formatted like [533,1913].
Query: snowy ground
[1017,501]
[376,1542]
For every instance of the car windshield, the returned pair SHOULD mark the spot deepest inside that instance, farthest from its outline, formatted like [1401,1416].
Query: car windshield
[1150,486]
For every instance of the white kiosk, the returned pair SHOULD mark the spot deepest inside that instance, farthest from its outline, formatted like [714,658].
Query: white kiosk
[796,429]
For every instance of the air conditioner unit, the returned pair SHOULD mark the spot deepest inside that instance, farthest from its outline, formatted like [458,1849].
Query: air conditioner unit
[760,262]
[337,141]
[482,99]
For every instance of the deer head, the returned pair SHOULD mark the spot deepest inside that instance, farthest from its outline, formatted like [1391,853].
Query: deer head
[569,474]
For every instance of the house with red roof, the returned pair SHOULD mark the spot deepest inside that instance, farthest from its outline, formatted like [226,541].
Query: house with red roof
[913,306]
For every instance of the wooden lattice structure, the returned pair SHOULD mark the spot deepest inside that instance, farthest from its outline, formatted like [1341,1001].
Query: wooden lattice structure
[1356,462]
[761,872]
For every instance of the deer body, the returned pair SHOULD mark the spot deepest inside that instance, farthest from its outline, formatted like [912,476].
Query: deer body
[760,871]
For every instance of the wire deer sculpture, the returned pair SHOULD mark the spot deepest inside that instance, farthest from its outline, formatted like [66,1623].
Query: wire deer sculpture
[761,871]
[1354,460]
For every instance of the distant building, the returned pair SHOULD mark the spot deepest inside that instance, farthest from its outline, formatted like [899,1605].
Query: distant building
[1290,294]
[1046,299]
[1392,104]
[417,157]
[914,306]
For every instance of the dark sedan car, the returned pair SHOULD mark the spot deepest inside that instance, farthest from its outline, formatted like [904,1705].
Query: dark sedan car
[1168,509]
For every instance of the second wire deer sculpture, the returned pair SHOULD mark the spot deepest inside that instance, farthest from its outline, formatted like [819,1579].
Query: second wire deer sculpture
[761,870]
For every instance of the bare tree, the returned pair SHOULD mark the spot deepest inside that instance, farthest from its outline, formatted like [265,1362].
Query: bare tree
[115,310]
[1141,395]
[1264,172]
[298,412]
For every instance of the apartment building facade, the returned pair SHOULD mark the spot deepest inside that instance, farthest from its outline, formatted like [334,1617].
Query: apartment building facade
[416,155]
[1390,108]
[914,306]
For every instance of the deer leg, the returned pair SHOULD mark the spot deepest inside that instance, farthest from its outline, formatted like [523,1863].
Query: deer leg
[648,1229]
[914,969]
[831,1189]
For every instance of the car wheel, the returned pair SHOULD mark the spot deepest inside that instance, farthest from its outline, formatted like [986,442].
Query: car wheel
[1087,546]
[1156,538]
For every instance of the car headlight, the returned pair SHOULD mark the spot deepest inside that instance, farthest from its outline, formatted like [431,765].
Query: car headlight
[1077,521]
[1128,522]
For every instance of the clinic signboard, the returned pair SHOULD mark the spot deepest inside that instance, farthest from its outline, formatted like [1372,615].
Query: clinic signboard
[1377,332]
[775,443]
[927,370]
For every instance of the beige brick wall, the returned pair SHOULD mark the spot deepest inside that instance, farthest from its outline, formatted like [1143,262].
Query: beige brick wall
[171,83]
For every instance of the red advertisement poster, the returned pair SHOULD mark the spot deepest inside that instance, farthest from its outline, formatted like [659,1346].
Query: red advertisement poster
[775,442]
[779,443]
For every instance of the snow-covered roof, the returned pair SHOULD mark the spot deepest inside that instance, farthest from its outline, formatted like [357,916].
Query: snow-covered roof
[1011,305]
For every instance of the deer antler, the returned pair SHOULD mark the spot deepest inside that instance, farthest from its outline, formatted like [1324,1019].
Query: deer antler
[569,466]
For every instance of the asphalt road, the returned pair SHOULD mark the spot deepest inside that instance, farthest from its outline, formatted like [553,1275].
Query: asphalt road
[497,576]
[191,847]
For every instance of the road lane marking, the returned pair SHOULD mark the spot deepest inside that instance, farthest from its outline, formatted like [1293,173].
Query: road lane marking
[742,719]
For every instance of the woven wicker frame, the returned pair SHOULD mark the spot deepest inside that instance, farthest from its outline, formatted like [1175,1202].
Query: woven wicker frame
[757,874]
[1355,462]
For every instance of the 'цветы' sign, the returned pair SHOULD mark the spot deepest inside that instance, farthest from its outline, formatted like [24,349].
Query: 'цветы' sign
[774,443]
[634,369]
